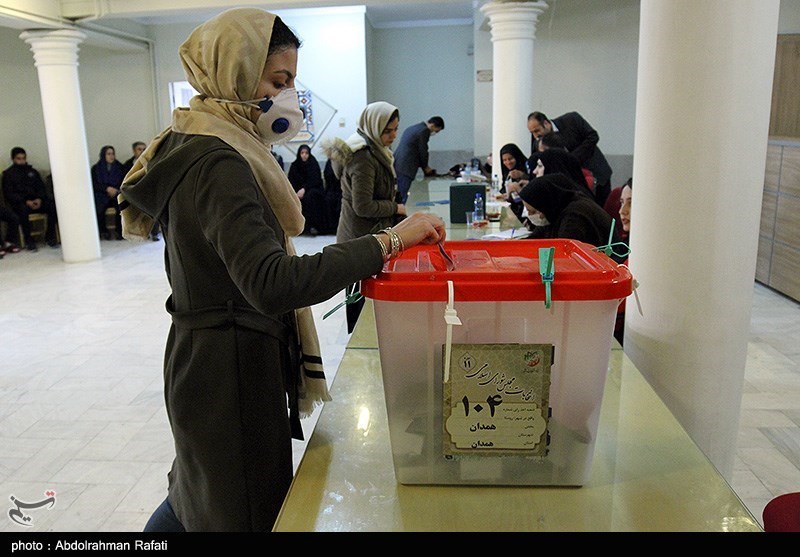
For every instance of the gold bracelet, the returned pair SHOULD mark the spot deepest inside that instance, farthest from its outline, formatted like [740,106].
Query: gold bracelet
[399,239]
[395,242]
[384,251]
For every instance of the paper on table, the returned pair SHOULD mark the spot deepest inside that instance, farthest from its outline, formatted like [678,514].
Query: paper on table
[510,234]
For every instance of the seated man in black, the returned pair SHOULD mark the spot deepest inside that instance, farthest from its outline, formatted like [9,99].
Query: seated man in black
[25,193]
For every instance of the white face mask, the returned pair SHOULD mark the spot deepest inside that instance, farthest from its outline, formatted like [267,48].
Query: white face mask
[281,117]
[538,219]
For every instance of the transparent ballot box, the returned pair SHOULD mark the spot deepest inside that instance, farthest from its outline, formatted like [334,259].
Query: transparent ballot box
[494,371]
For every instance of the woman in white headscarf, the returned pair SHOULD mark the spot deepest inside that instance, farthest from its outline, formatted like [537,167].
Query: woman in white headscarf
[242,341]
[365,167]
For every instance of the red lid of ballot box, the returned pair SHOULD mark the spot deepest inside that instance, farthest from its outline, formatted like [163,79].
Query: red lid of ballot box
[500,270]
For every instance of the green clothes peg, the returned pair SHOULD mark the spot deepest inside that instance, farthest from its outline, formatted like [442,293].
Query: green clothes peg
[547,272]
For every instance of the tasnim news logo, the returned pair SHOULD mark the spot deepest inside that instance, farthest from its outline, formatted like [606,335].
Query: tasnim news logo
[18,513]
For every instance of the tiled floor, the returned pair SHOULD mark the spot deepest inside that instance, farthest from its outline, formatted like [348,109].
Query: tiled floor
[81,402]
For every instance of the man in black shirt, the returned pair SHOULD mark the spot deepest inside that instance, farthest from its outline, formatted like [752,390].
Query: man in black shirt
[26,193]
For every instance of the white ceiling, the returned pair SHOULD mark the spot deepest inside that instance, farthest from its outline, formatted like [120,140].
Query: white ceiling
[403,13]
[381,13]
[90,15]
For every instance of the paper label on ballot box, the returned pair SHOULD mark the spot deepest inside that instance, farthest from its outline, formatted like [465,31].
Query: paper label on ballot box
[497,399]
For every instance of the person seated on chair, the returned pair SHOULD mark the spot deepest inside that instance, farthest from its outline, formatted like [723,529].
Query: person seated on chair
[555,141]
[560,208]
[9,244]
[26,193]
[107,176]
[559,161]
[514,176]
[138,148]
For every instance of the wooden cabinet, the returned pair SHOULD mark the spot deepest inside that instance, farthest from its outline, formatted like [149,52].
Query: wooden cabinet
[779,239]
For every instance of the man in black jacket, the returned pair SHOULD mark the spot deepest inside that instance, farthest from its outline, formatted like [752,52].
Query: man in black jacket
[26,193]
[580,139]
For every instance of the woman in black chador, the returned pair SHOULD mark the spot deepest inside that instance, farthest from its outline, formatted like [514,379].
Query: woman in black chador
[306,178]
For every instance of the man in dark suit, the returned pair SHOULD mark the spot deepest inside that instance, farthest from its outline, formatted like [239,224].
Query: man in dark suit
[412,153]
[138,148]
[580,139]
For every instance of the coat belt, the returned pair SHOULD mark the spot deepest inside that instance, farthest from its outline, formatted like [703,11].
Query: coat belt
[248,318]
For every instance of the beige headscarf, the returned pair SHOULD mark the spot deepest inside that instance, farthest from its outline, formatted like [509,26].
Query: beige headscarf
[373,120]
[224,58]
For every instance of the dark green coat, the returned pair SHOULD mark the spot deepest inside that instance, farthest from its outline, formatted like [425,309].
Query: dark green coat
[226,375]
[368,196]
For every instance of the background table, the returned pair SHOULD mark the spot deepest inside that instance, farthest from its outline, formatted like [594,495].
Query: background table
[433,196]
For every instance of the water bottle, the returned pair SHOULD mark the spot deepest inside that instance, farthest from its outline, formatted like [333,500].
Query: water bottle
[477,214]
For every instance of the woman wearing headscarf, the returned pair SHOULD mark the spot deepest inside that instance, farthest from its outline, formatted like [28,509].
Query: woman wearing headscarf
[365,166]
[305,176]
[107,175]
[624,208]
[514,176]
[558,209]
[513,164]
[559,161]
[242,343]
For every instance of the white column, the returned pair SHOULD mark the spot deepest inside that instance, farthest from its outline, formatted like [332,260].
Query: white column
[703,99]
[513,26]
[56,58]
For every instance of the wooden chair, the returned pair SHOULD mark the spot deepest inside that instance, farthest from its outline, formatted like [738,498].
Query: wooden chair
[38,228]
[111,223]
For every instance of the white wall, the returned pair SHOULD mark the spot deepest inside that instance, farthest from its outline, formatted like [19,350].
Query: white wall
[585,60]
[116,88]
[21,119]
[426,71]
[167,39]
[331,63]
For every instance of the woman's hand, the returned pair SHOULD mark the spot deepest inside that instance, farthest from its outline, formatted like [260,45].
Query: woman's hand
[420,228]
[515,174]
[401,210]
[301,192]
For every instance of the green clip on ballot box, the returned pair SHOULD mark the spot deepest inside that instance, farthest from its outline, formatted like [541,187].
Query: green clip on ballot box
[507,389]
